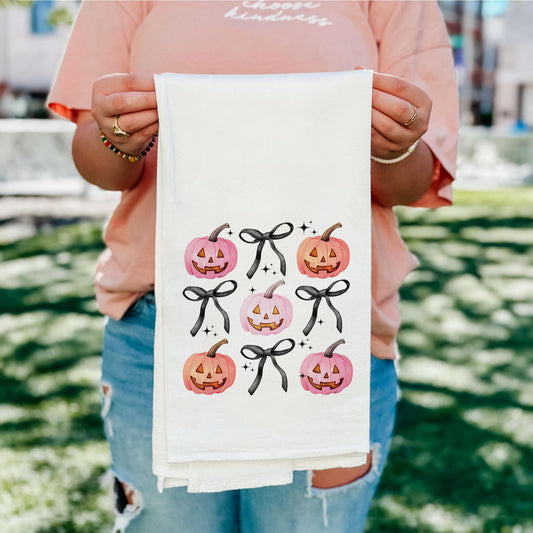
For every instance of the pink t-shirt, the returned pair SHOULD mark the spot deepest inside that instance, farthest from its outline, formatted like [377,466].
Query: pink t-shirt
[407,39]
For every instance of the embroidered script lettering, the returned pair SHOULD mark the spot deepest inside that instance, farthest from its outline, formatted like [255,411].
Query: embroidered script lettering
[277,12]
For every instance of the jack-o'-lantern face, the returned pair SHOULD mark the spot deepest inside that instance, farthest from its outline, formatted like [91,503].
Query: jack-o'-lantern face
[210,257]
[322,259]
[323,256]
[209,372]
[267,313]
[326,372]
[325,377]
[212,261]
[208,377]
[268,317]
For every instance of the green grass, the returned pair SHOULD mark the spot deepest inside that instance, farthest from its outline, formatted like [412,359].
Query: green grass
[462,458]
[52,449]
[462,455]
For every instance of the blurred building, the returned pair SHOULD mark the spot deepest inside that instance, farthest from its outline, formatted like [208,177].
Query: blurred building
[492,42]
[513,104]
[30,51]
[474,63]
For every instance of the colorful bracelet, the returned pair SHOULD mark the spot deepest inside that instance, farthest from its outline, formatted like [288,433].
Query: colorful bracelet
[401,157]
[124,155]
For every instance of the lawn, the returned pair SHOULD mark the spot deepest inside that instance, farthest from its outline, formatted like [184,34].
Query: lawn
[462,455]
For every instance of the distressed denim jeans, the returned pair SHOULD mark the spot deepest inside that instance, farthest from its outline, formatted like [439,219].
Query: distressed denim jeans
[127,381]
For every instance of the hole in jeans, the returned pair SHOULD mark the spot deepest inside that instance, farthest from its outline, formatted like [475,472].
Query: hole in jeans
[107,393]
[128,504]
[338,477]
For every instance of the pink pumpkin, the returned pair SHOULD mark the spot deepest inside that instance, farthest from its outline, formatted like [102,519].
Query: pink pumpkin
[266,313]
[209,372]
[210,257]
[326,372]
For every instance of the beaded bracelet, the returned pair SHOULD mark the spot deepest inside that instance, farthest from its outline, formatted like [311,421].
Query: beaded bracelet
[124,155]
[401,157]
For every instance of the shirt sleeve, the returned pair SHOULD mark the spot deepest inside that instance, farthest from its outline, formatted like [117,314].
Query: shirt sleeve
[99,44]
[413,43]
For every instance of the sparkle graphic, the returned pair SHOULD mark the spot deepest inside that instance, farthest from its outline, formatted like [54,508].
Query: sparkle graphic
[230,233]
[302,343]
[206,330]
[252,290]
[320,321]
[265,269]
[303,227]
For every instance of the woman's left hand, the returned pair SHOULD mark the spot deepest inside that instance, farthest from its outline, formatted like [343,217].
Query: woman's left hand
[400,115]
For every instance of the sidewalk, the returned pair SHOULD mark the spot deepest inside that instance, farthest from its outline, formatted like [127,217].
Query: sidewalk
[23,216]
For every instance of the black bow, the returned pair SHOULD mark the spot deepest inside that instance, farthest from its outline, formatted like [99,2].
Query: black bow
[261,238]
[204,296]
[316,295]
[272,353]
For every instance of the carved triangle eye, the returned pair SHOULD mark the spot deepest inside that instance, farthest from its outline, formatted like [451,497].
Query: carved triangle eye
[335,370]
[332,253]
[275,311]
[218,370]
[201,253]
[317,369]
[257,310]
[200,369]
[313,253]
[220,254]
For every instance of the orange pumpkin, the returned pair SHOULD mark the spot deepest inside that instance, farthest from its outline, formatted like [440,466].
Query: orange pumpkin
[209,372]
[323,257]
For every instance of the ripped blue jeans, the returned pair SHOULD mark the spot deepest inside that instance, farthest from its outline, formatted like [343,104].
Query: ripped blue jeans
[127,380]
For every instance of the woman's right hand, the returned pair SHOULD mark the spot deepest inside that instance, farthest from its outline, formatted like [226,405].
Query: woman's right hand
[132,98]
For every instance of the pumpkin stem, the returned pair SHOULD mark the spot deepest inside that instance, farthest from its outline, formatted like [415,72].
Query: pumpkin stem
[327,234]
[270,291]
[213,350]
[330,349]
[215,233]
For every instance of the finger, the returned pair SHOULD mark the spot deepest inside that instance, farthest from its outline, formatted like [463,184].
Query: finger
[398,109]
[128,102]
[136,122]
[150,130]
[399,137]
[401,88]
[116,83]
[136,142]
[381,146]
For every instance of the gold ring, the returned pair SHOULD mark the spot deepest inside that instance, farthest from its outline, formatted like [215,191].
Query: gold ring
[412,119]
[117,130]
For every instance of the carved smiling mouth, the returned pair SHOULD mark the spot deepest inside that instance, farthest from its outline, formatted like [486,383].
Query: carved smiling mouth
[329,268]
[263,325]
[331,384]
[214,384]
[216,269]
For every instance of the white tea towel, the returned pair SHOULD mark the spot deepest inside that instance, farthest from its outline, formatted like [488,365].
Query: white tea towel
[262,348]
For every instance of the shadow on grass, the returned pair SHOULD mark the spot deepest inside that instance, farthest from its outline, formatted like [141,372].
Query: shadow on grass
[461,459]
[50,338]
[88,489]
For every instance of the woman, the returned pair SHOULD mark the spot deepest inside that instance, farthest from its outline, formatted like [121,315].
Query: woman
[105,86]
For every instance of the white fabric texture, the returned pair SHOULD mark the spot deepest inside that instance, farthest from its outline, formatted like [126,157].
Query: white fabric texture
[272,162]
